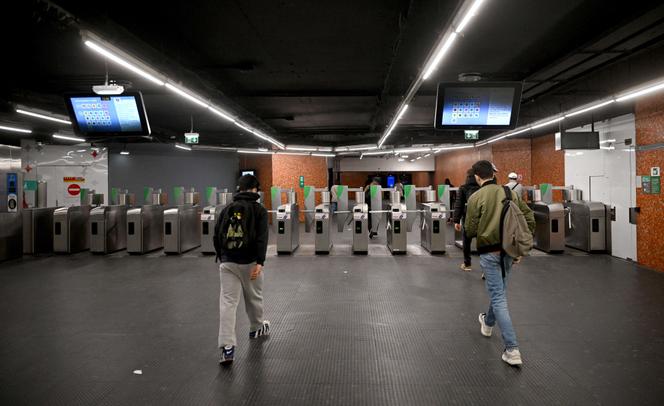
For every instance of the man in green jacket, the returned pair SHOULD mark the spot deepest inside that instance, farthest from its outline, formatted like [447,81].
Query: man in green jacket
[483,218]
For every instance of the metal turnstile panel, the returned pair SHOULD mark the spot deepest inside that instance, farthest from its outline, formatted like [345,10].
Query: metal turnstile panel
[322,224]
[397,236]
[361,229]
[181,229]
[432,228]
[145,229]
[549,228]
[11,236]
[70,229]
[38,230]
[209,219]
[108,229]
[288,228]
[585,226]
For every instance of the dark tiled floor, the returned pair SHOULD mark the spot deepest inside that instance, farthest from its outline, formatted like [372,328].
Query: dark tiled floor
[346,330]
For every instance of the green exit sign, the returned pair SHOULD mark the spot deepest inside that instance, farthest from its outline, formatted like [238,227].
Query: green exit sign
[191,138]
[301,181]
[471,134]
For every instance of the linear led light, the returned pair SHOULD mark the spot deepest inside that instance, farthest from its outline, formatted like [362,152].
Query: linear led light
[293,153]
[9,146]
[608,148]
[253,151]
[544,124]
[124,152]
[641,92]
[68,138]
[439,55]
[360,148]
[393,125]
[427,155]
[418,158]
[469,15]
[221,114]
[187,96]
[301,148]
[400,151]
[42,116]
[324,155]
[184,147]
[607,141]
[15,129]
[122,62]
[383,152]
[587,109]
[325,149]
[452,148]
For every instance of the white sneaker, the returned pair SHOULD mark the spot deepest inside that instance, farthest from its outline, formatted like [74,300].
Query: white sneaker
[512,357]
[485,330]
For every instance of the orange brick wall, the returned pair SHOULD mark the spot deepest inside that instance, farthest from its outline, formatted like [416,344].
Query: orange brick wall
[354,179]
[455,164]
[649,232]
[547,164]
[262,164]
[422,179]
[287,169]
[512,156]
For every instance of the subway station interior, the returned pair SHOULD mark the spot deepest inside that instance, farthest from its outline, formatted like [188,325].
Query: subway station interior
[125,129]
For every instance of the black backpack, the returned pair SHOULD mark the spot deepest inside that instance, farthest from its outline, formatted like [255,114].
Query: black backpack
[235,229]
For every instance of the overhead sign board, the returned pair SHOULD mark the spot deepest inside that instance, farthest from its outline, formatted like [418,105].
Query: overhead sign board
[191,138]
[471,134]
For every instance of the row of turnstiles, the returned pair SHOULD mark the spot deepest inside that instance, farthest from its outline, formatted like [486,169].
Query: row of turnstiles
[187,225]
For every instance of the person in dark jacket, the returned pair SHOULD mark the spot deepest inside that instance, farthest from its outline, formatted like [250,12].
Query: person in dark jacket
[241,272]
[460,204]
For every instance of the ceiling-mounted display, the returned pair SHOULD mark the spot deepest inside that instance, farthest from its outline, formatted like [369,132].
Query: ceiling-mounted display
[95,115]
[475,106]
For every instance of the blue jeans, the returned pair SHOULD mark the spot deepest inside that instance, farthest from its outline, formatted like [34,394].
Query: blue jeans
[496,286]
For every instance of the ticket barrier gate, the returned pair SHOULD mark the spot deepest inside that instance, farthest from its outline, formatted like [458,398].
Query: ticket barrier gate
[397,228]
[549,226]
[145,227]
[108,229]
[209,219]
[360,225]
[586,226]
[323,221]
[288,228]
[182,229]
[38,230]
[432,237]
[70,229]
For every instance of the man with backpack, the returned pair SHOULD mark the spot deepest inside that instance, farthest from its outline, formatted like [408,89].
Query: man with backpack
[503,225]
[514,184]
[240,240]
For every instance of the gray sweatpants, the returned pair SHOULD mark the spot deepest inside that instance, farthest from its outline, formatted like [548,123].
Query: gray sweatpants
[236,279]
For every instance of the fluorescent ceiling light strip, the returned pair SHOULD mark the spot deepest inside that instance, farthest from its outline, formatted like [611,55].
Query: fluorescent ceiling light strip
[453,148]
[122,62]
[15,129]
[124,152]
[544,124]
[42,116]
[439,55]
[641,92]
[406,150]
[469,15]
[187,96]
[324,155]
[427,155]
[184,147]
[293,153]
[253,151]
[363,148]
[587,109]
[393,125]
[221,113]
[607,141]
[295,148]
[383,152]
[68,138]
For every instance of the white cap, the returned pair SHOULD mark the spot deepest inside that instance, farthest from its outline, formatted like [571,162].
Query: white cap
[513,175]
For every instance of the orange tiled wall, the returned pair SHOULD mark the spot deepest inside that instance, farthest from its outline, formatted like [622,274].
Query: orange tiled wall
[547,164]
[512,156]
[455,164]
[422,179]
[354,179]
[649,231]
[287,169]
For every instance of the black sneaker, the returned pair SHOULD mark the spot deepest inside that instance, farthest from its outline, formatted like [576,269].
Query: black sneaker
[227,355]
[262,330]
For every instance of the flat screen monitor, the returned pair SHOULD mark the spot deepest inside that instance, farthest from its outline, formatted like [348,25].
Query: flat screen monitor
[577,140]
[248,172]
[112,115]
[390,181]
[477,106]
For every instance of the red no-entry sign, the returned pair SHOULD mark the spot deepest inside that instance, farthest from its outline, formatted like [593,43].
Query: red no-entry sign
[74,189]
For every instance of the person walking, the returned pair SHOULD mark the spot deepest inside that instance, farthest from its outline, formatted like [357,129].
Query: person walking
[514,184]
[483,221]
[465,191]
[240,240]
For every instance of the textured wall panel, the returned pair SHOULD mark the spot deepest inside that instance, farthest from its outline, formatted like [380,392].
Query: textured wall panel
[547,164]
[512,156]
[650,130]
[287,169]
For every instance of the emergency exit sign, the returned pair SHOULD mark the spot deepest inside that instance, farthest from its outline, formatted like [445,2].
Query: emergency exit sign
[471,134]
[191,138]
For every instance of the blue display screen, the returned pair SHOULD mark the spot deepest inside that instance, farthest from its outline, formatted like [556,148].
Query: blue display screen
[468,106]
[107,114]
[390,181]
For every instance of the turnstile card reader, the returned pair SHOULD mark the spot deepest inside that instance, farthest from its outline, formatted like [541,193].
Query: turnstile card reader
[182,229]
[108,229]
[70,229]
[145,227]
[288,228]
[433,228]
[209,219]
[361,229]
[323,222]
[549,226]
[397,237]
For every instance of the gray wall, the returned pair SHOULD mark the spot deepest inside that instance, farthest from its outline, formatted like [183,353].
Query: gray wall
[164,166]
